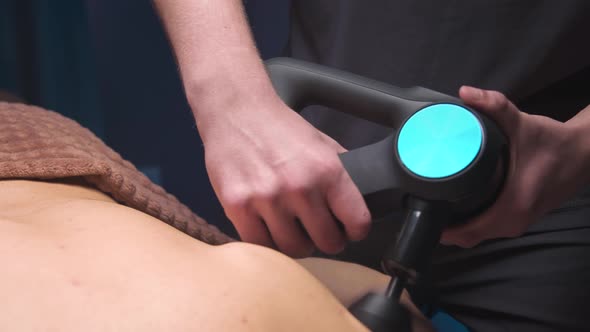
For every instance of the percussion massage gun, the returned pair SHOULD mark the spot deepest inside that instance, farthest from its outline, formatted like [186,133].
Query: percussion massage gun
[442,163]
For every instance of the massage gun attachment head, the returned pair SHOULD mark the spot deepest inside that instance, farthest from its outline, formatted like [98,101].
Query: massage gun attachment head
[380,313]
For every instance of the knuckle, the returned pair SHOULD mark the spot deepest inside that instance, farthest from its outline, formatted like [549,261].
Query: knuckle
[498,99]
[329,168]
[234,200]
[266,193]
[269,190]
[300,185]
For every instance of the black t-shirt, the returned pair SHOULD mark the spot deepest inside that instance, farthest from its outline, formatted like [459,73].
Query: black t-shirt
[537,52]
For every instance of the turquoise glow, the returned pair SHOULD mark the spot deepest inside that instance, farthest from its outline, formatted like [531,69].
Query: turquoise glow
[440,140]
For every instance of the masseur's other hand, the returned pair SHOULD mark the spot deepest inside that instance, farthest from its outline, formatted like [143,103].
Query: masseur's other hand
[274,173]
[546,167]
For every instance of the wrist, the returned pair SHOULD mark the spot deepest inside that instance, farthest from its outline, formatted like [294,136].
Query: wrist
[223,98]
[225,83]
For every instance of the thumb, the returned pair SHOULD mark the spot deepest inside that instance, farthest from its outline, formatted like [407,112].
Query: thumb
[493,104]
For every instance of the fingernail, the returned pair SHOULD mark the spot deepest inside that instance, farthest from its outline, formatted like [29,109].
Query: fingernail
[472,93]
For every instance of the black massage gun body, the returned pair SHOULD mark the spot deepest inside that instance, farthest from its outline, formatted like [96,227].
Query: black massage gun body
[387,173]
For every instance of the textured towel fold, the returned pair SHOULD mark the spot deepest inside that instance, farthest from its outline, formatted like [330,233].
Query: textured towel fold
[40,144]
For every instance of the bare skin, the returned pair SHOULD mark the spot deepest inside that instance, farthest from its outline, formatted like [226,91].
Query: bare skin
[76,260]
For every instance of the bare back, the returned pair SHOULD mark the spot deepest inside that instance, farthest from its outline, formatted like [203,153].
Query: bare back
[75,260]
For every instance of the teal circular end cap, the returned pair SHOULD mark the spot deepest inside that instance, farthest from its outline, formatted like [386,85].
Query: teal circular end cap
[440,140]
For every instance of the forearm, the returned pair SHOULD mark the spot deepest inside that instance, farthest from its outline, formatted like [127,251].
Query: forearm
[218,59]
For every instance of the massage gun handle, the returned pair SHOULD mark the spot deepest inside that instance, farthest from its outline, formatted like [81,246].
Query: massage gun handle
[301,84]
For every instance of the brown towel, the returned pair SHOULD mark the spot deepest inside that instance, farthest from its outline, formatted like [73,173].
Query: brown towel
[40,144]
